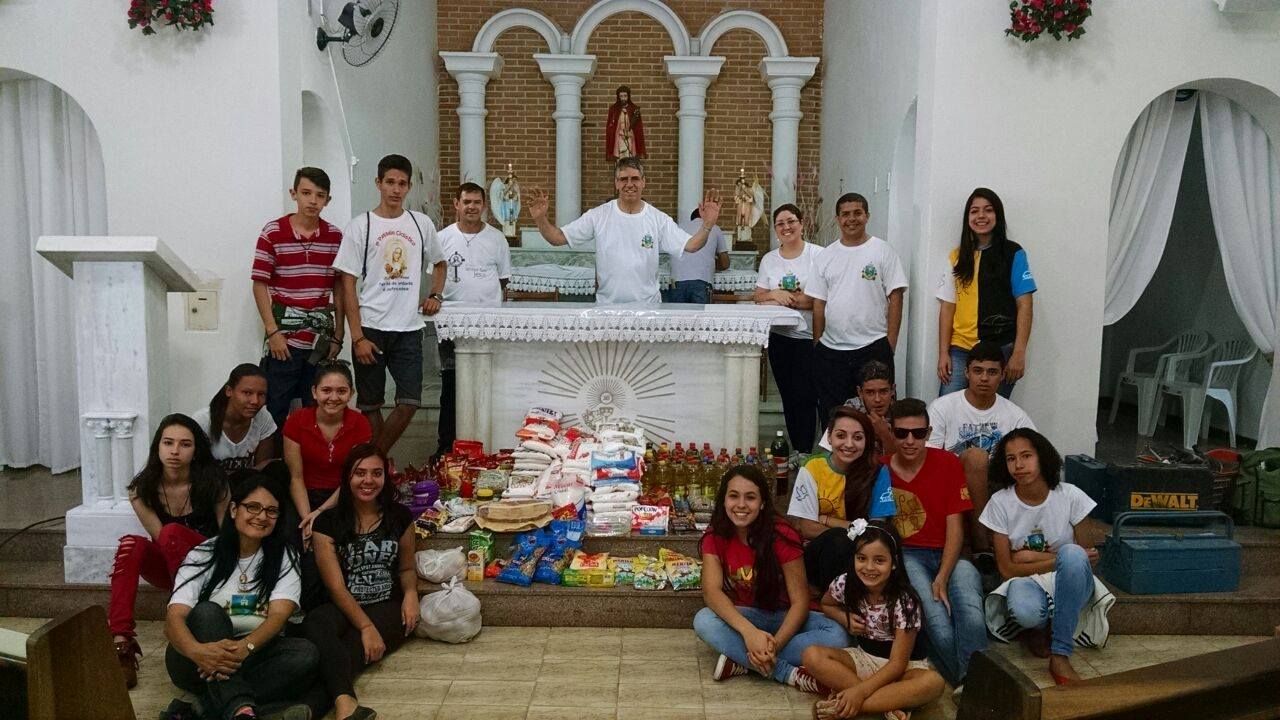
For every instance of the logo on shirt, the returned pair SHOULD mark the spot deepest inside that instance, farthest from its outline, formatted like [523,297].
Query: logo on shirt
[395,262]
[985,435]
[789,282]
[910,518]
[455,261]
[646,242]
[869,272]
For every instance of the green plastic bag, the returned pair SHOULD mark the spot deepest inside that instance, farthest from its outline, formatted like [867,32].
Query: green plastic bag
[1260,474]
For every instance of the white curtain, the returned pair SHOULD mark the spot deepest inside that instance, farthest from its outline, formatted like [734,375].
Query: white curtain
[51,183]
[1144,191]
[1244,179]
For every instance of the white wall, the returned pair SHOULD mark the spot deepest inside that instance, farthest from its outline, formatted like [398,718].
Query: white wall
[1042,124]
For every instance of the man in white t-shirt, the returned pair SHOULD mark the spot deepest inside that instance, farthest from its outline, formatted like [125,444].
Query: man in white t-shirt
[857,290]
[970,422]
[692,273]
[385,251]
[479,262]
[628,233]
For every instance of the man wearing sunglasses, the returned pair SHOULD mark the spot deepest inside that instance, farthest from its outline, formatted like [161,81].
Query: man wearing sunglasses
[931,496]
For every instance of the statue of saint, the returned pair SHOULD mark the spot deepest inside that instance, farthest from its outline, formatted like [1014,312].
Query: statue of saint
[624,131]
[748,200]
[504,194]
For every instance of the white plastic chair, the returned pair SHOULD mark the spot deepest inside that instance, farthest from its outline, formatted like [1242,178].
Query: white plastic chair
[1216,372]
[1148,383]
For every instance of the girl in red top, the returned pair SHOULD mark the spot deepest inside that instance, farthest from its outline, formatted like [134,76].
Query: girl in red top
[757,614]
[317,440]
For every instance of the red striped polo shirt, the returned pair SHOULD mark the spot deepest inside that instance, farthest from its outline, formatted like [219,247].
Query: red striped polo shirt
[298,271]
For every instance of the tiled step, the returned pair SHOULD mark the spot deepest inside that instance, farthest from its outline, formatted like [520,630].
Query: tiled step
[34,544]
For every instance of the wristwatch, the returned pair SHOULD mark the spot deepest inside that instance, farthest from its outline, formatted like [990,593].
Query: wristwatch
[436,296]
[250,646]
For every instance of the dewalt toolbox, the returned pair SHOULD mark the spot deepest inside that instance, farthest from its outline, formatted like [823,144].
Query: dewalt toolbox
[1162,552]
[1140,486]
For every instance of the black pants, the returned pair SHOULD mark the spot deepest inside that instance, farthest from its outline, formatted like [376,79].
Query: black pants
[827,557]
[448,428]
[835,372]
[791,360]
[273,674]
[342,650]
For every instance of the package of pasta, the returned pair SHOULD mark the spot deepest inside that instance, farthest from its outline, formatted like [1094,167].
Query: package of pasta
[623,570]
[649,573]
[529,548]
[685,573]
[565,536]
[588,570]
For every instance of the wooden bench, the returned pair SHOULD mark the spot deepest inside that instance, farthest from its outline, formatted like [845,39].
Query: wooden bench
[1242,682]
[66,669]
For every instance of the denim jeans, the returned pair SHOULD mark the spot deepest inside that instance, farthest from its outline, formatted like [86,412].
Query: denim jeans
[817,630]
[286,380]
[952,638]
[276,672]
[1031,607]
[960,358]
[688,291]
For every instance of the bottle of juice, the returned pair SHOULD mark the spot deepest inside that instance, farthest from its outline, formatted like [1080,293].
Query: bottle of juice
[692,452]
[707,455]
[662,450]
[678,454]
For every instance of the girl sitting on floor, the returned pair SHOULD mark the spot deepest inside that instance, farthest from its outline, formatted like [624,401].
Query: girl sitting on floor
[239,427]
[886,672]
[1050,595]
[757,615]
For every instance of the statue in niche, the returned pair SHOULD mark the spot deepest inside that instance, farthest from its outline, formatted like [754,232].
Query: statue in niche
[624,131]
[504,193]
[748,201]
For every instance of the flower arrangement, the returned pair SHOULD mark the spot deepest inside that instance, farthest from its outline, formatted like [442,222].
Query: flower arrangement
[182,14]
[1032,18]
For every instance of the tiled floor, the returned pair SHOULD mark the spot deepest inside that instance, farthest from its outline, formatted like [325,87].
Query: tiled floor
[600,673]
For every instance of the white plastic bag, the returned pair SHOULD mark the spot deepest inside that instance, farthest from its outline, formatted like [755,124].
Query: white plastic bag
[439,566]
[450,615]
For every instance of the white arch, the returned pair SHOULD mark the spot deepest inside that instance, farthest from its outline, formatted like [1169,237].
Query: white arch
[745,20]
[513,18]
[667,17]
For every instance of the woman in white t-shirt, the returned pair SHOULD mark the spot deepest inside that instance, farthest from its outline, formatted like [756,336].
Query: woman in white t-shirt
[784,274]
[1046,560]
[237,422]
[231,600]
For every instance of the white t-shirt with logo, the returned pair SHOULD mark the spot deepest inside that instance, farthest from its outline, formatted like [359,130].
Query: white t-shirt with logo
[389,290]
[794,274]
[476,262]
[856,282]
[958,426]
[242,607]
[236,455]
[627,246]
[1044,527]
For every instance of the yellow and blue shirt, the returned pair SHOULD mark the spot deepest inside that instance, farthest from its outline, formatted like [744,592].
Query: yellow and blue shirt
[819,490]
[986,308]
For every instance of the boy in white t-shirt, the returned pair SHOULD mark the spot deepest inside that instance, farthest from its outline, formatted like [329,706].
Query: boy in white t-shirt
[857,290]
[386,251]
[628,234]
[479,262]
[970,423]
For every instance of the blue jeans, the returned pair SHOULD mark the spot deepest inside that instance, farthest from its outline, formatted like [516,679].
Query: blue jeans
[960,358]
[688,291]
[952,638]
[1031,607]
[286,380]
[817,630]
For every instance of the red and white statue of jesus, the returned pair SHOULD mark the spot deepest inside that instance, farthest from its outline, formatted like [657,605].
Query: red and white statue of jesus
[624,132]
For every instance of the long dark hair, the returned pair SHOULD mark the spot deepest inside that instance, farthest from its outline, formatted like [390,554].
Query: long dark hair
[964,268]
[325,368]
[225,556]
[998,476]
[218,405]
[763,533]
[860,476]
[899,585]
[345,527]
[208,480]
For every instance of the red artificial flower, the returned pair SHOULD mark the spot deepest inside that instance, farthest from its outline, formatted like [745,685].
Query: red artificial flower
[1070,27]
[1058,3]
[1059,15]
[1037,4]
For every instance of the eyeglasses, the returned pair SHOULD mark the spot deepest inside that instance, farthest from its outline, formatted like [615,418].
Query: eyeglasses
[786,223]
[917,433]
[255,509]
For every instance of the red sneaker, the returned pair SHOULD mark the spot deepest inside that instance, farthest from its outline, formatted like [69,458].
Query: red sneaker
[801,680]
[726,668]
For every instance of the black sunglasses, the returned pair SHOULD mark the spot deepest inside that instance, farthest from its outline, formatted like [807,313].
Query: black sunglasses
[917,433]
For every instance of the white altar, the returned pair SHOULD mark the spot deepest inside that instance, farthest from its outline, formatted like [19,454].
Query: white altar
[682,372]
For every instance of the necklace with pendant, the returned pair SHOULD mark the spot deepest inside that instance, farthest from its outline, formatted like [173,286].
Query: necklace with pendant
[244,575]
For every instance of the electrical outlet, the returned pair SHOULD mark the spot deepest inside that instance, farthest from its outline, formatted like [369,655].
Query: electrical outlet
[202,311]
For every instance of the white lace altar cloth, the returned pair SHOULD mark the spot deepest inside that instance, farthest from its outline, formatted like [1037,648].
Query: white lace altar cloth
[574,280]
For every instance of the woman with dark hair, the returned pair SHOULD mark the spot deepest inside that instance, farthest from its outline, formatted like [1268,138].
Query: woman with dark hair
[231,601]
[757,615]
[784,273]
[986,295]
[179,498]
[317,439]
[836,487]
[364,548]
[1050,595]
[237,422]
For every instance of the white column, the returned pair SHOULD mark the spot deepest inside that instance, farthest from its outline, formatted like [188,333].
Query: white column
[785,77]
[99,466]
[474,391]
[122,456]
[733,400]
[472,71]
[692,76]
[567,74]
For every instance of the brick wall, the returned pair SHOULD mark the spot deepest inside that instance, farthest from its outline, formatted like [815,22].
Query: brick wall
[629,48]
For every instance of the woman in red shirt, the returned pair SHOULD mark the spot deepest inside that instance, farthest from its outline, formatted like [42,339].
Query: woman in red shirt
[317,440]
[757,614]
